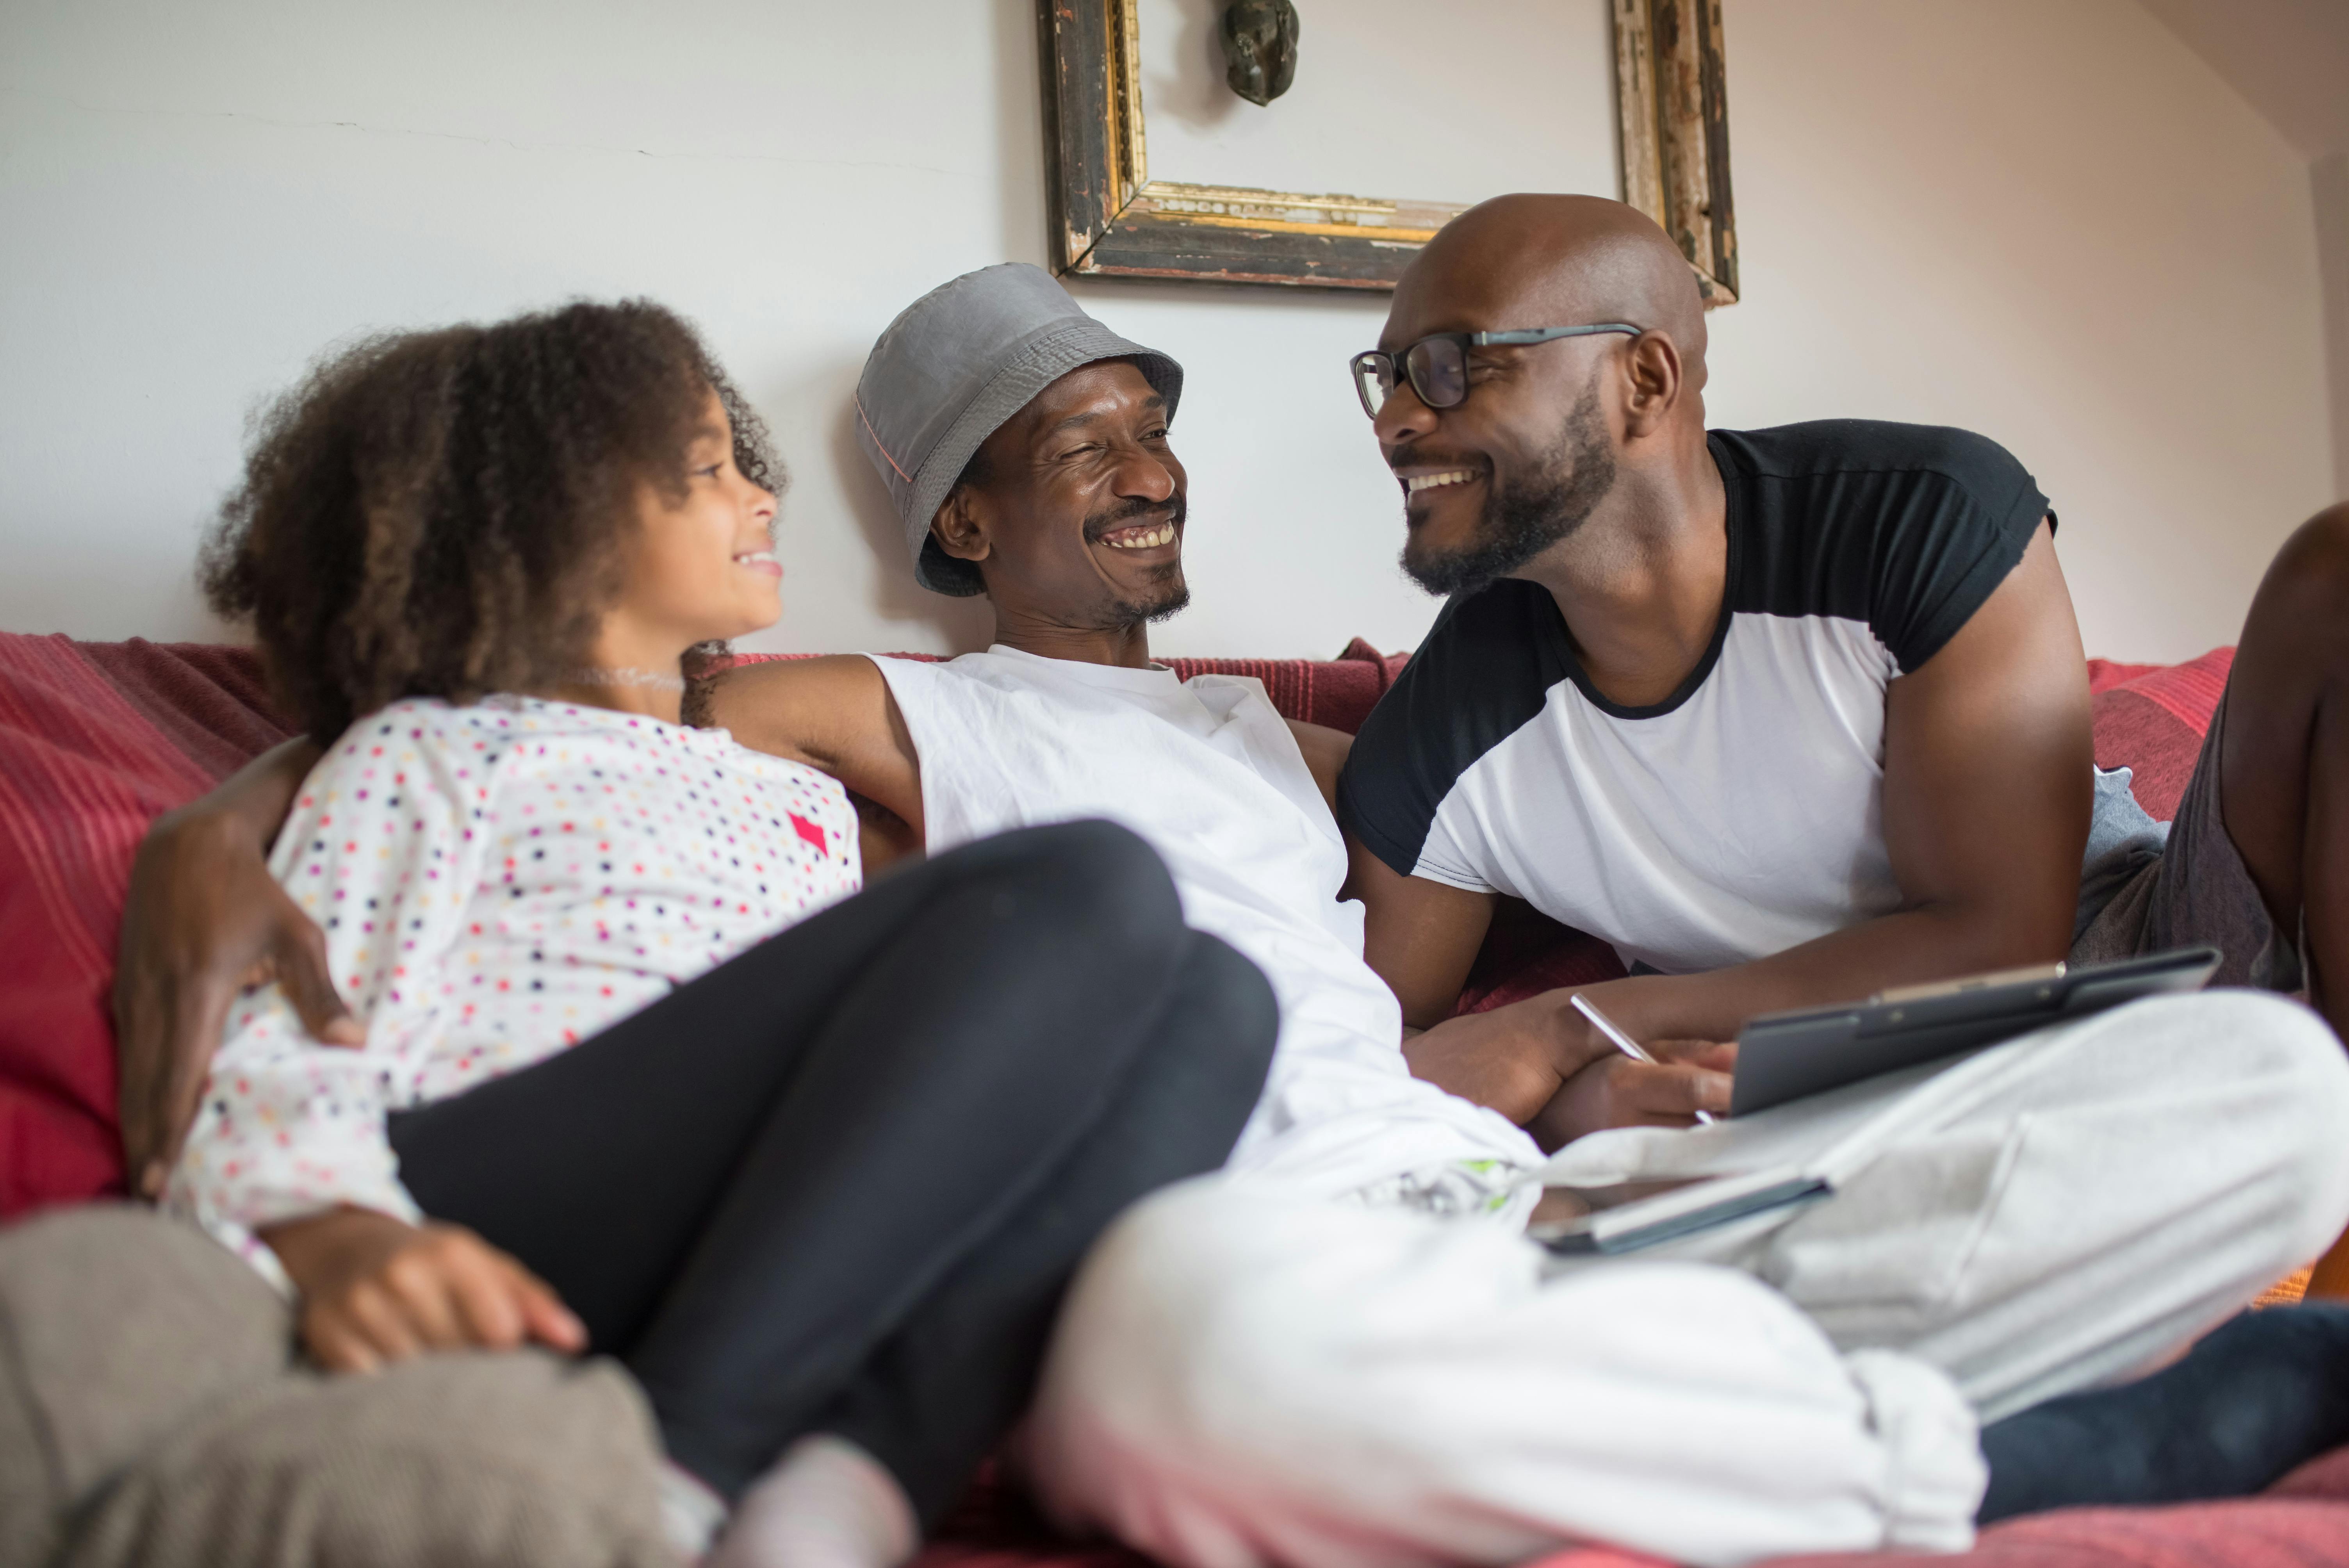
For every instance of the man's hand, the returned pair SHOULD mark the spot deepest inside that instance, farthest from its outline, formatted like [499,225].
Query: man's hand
[375,1289]
[1687,1076]
[205,918]
[1514,1060]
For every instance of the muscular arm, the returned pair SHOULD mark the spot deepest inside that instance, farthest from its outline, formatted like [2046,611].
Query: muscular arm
[1325,752]
[1986,799]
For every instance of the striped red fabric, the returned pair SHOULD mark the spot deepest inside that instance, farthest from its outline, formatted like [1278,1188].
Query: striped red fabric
[96,741]
[2151,719]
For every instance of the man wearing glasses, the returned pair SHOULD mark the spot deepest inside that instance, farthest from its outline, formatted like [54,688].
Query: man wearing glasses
[1788,717]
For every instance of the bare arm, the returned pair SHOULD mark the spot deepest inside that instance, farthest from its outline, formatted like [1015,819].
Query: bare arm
[204,919]
[1986,802]
[1325,752]
[835,715]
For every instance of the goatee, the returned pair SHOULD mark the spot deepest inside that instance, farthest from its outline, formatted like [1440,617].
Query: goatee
[1524,517]
[1167,597]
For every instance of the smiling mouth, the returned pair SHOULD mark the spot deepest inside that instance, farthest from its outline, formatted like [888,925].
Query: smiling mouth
[1147,536]
[1418,483]
[762,561]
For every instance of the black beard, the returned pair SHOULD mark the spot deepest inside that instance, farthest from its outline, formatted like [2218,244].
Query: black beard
[1125,615]
[1526,517]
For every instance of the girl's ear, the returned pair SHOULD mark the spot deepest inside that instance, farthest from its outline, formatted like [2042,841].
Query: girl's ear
[957,528]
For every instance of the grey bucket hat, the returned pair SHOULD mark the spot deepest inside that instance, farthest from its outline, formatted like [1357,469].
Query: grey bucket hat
[957,364]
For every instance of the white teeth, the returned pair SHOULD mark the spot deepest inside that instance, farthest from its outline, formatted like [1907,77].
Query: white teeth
[1419,482]
[1149,538]
[756,555]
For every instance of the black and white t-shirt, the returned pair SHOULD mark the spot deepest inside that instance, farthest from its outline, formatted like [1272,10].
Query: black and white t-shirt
[1742,814]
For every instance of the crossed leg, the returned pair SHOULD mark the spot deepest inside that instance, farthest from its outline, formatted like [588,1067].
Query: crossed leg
[2284,770]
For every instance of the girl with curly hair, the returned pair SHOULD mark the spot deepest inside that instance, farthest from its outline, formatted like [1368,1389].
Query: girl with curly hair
[644,1072]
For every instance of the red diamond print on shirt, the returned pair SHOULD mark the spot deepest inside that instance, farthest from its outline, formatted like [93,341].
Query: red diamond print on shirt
[808,830]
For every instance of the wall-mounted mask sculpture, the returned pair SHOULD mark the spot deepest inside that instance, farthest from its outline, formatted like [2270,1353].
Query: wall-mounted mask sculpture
[1260,48]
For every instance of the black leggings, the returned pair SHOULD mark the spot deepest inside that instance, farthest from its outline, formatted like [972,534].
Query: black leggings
[840,1183]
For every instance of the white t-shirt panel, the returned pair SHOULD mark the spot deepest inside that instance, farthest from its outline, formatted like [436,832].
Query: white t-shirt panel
[1209,775]
[1589,819]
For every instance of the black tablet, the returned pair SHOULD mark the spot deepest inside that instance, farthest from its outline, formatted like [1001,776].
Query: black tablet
[1786,1056]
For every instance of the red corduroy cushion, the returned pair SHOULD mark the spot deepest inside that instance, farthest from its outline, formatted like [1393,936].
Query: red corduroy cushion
[2151,718]
[96,741]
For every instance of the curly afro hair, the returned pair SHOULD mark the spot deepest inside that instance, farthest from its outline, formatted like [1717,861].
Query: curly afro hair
[443,513]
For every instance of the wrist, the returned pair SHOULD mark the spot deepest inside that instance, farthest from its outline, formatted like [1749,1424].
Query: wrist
[202,827]
[329,1241]
[1573,1043]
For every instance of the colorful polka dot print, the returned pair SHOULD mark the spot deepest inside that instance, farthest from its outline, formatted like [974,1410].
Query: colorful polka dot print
[495,883]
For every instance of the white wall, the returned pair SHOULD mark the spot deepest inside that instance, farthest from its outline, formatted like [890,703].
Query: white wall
[2329,184]
[2049,222]
[2054,224]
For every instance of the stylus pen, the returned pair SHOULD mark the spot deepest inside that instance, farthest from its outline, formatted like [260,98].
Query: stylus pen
[1623,1042]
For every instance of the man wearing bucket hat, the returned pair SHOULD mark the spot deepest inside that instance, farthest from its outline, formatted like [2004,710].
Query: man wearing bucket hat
[1025,447]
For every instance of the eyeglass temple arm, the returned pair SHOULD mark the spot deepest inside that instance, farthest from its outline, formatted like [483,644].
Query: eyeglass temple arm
[1544,334]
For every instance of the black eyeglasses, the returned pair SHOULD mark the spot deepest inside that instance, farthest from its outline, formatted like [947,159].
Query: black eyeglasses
[1438,366]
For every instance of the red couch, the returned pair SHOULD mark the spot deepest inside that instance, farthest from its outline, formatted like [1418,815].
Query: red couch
[97,739]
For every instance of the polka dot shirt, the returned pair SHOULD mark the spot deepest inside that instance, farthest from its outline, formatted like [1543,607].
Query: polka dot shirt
[496,883]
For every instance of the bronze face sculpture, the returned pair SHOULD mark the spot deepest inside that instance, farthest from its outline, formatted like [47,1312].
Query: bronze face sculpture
[1261,48]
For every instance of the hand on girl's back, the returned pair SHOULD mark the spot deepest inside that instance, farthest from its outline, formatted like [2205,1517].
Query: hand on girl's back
[375,1289]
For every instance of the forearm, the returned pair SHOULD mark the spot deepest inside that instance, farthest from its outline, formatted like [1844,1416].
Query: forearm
[1912,947]
[255,798]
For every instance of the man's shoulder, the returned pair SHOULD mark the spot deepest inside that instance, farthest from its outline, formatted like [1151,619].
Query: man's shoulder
[1484,672]
[1483,668]
[1908,528]
[1503,617]
[1820,450]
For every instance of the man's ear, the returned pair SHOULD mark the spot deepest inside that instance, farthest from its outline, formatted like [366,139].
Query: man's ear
[1653,367]
[956,527]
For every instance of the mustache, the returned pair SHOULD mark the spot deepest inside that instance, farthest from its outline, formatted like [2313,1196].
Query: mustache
[1172,510]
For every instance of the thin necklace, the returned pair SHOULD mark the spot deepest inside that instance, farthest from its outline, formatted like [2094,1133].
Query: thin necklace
[629,678]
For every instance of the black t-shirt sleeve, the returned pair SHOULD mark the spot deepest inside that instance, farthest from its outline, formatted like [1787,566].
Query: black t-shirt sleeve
[1906,527]
[1483,673]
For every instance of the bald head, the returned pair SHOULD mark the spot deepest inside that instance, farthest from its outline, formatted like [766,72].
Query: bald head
[1534,439]
[1551,260]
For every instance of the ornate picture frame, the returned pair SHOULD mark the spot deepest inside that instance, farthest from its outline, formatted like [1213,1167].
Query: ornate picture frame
[1110,219]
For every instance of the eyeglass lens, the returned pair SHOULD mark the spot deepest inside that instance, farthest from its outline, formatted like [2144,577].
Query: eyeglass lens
[1438,372]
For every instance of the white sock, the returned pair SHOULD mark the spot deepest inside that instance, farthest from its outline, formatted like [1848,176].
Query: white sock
[691,1514]
[826,1503]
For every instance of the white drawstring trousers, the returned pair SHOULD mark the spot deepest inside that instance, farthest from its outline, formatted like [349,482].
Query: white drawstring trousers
[1244,1378]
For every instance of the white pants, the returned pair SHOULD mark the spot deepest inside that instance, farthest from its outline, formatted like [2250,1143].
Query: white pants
[1243,1378]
